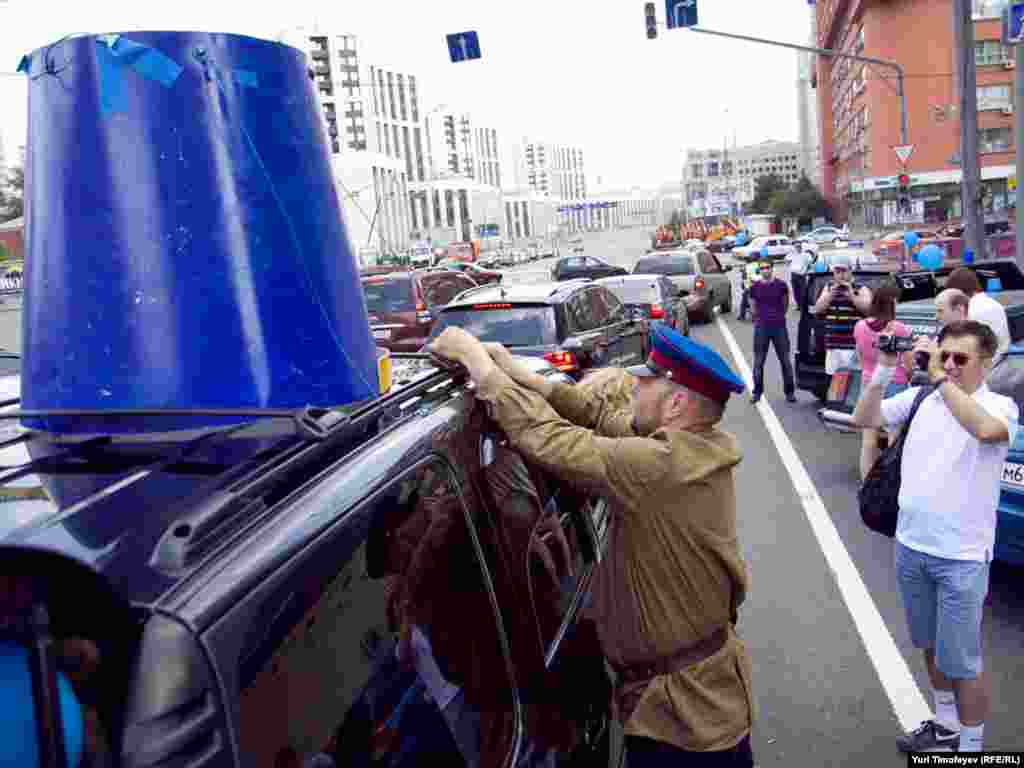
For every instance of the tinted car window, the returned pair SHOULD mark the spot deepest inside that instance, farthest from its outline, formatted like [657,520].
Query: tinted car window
[665,265]
[388,295]
[616,310]
[635,291]
[580,313]
[439,289]
[600,315]
[321,672]
[513,326]
[709,264]
[575,262]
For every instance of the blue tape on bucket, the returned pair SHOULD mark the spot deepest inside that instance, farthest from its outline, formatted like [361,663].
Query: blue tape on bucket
[113,53]
[245,78]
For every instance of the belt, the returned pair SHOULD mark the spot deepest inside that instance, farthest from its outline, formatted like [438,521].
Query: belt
[686,657]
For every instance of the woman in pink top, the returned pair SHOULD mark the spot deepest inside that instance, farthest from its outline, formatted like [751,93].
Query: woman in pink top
[865,334]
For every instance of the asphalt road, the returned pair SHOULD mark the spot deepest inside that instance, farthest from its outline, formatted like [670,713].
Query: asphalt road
[822,700]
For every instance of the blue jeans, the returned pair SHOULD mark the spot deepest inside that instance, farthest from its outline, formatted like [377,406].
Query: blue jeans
[779,338]
[944,600]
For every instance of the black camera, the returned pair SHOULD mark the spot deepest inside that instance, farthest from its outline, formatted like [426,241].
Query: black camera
[894,345]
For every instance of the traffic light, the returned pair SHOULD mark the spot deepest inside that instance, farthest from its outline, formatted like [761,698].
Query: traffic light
[903,199]
[652,21]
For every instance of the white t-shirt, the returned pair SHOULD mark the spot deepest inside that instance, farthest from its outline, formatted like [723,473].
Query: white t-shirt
[949,486]
[987,310]
[799,261]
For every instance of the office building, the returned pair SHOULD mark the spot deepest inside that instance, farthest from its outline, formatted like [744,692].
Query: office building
[860,111]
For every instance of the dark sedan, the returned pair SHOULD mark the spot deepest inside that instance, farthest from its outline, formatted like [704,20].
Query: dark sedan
[574,267]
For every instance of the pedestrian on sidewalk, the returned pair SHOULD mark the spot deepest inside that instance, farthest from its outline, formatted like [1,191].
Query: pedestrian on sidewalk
[951,468]
[770,300]
[666,595]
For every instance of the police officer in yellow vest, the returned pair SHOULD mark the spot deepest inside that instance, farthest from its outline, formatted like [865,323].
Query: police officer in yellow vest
[666,593]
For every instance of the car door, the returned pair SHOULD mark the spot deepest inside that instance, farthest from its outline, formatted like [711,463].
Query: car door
[625,338]
[584,327]
[715,278]
[317,666]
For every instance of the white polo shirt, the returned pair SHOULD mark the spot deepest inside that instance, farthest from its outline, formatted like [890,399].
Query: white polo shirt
[949,487]
[987,310]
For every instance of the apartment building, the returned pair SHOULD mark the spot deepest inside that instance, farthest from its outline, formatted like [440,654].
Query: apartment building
[860,117]
[459,145]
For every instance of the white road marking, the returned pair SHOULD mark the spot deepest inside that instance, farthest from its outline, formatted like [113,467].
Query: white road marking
[907,701]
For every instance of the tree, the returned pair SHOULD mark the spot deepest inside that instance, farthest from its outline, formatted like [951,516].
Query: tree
[802,201]
[764,188]
[12,200]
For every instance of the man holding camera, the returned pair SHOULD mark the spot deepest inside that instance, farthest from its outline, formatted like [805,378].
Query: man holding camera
[949,492]
[842,303]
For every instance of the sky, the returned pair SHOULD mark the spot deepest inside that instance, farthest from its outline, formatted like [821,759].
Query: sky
[570,72]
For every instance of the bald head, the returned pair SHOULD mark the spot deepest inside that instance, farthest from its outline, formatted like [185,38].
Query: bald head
[951,306]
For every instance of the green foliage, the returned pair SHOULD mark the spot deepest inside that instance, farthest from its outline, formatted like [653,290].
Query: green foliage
[766,187]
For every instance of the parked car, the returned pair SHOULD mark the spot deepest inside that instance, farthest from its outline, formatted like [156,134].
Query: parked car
[240,602]
[826,235]
[698,274]
[573,267]
[402,305]
[916,309]
[655,296]
[780,248]
[478,271]
[573,325]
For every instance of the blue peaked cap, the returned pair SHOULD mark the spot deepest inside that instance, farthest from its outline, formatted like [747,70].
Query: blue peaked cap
[686,362]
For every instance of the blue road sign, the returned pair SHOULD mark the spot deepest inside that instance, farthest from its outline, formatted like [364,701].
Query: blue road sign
[680,13]
[463,46]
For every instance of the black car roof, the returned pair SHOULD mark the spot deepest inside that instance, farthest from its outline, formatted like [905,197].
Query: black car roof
[147,534]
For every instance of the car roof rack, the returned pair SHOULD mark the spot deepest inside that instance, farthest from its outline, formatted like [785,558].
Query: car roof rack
[242,487]
[566,284]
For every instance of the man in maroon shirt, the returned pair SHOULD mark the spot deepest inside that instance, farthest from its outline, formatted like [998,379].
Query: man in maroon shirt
[770,299]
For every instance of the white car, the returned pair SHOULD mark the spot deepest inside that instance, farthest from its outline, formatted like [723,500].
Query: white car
[779,247]
[822,235]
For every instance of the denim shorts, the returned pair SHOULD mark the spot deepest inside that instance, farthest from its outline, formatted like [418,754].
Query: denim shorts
[943,600]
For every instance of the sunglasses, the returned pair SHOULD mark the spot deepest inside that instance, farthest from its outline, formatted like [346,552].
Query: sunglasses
[960,359]
[840,269]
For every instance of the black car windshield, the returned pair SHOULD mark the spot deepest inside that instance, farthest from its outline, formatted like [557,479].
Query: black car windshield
[388,295]
[513,326]
[664,265]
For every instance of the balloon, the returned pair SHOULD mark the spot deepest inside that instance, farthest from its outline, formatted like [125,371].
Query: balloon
[910,238]
[820,266]
[764,252]
[968,256]
[931,257]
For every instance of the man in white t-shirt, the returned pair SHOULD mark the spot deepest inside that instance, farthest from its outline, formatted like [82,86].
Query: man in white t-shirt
[799,261]
[949,493]
[982,307]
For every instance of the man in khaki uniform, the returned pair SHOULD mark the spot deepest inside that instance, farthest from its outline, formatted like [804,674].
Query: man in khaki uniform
[665,597]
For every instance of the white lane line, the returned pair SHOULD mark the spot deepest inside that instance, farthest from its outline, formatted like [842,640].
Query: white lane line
[906,698]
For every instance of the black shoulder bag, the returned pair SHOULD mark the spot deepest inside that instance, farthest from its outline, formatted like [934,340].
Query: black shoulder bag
[880,491]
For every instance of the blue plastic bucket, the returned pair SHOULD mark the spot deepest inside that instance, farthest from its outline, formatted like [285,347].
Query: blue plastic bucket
[185,246]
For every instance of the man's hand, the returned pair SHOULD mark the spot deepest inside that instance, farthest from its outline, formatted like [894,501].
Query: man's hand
[930,347]
[458,346]
[517,369]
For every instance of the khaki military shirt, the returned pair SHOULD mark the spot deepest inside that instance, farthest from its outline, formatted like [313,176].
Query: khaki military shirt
[673,563]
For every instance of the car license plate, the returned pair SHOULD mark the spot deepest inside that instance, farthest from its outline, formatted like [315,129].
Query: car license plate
[383,333]
[1013,474]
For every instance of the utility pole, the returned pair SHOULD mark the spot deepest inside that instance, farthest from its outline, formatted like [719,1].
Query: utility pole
[963,36]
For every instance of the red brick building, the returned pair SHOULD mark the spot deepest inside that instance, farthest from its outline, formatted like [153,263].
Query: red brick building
[860,118]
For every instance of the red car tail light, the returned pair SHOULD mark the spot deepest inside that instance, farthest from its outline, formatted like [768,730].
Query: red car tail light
[563,361]
[657,311]
[698,284]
